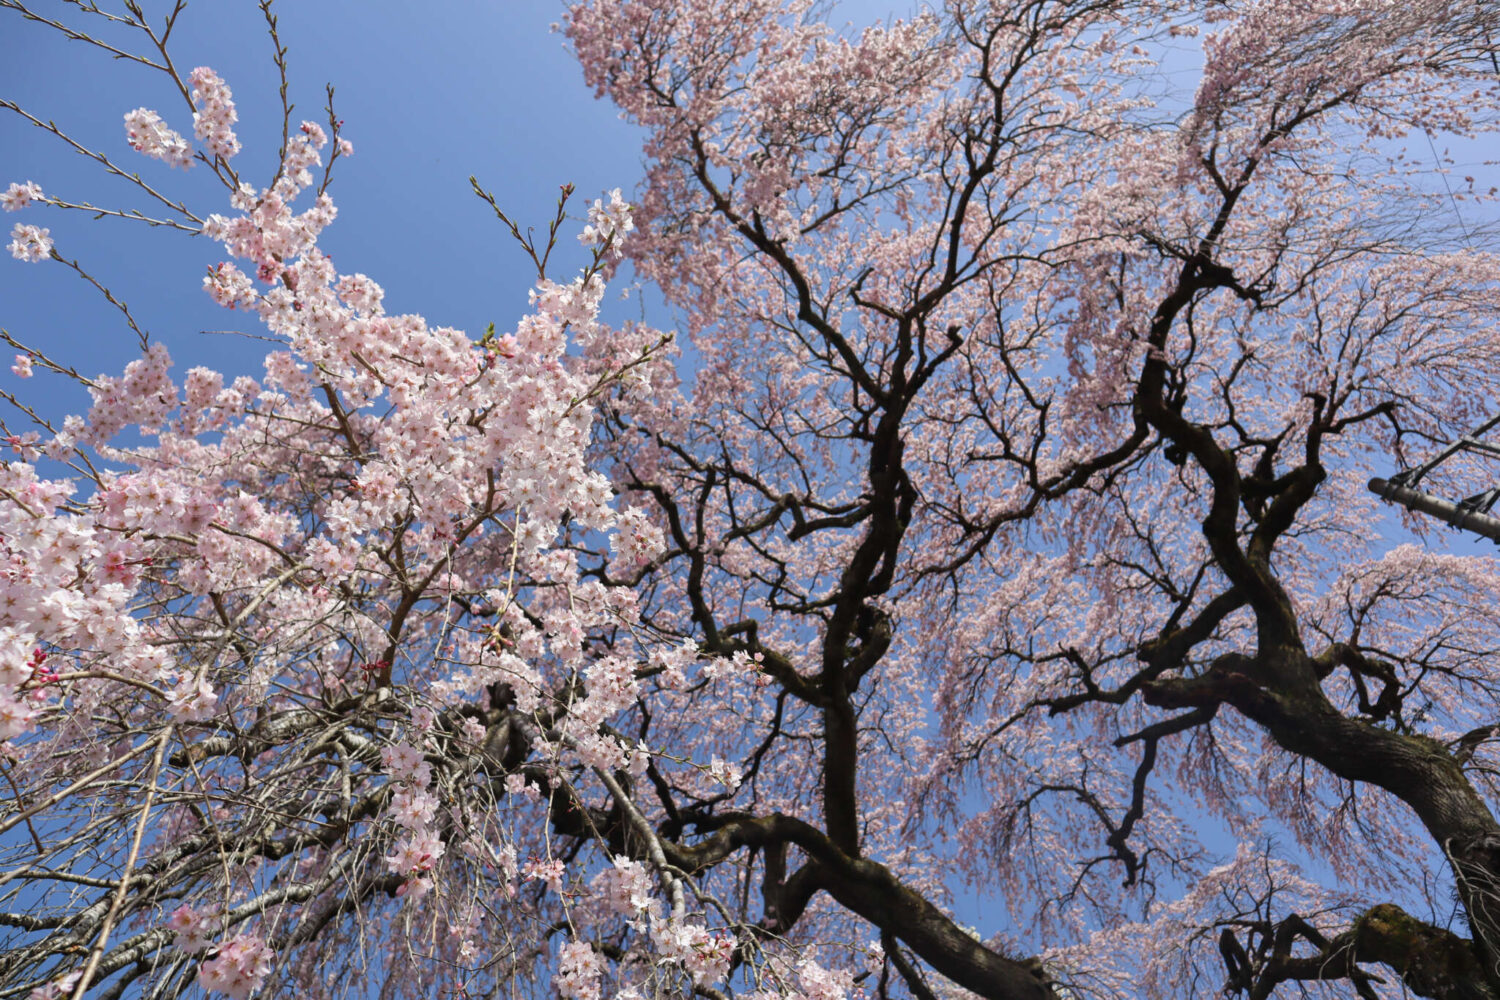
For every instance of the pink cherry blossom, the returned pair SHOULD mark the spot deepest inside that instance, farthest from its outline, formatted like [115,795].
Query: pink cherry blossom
[193,928]
[415,853]
[148,134]
[403,763]
[18,196]
[30,243]
[549,870]
[193,700]
[57,989]
[238,967]
[213,121]
[578,972]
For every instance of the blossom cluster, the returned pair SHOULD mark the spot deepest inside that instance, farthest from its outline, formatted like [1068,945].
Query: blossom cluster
[412,807]
[17,712]
[578,971]
[637,541]
[18,196]
[192,929]
[725,773]
[238,968]
[818,983]
[58,594]
[192,700]
[702,953]
[214,120]
[148,134]
[608,224]
[625,888]
[30,243]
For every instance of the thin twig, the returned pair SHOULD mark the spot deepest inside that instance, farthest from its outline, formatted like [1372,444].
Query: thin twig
[141,335]
[100,158]
[97,951]
[80,36]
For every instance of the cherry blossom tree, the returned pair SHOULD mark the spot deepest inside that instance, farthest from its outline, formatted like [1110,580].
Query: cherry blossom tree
[990,520]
